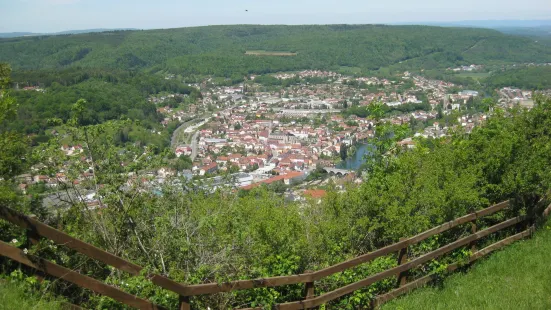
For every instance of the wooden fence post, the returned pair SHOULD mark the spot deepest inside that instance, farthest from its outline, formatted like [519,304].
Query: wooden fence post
[402,259]
[309,288]
[473,231]
[374,303]
[33,238]
[184,303]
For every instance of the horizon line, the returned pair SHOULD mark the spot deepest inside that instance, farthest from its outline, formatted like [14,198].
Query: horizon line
[546,22]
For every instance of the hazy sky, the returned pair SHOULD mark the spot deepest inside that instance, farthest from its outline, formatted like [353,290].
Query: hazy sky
[58,15]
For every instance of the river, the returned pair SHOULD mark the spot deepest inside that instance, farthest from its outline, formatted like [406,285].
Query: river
[354,162]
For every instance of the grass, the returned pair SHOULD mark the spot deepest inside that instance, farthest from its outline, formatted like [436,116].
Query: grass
[346,69]
[517,277]
[269,53]
[15,297]
[474,75]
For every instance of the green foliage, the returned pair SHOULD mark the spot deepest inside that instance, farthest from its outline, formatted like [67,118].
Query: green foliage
[378,110]
[183,162]
[343,151]
[516,278]
[19,292]
[195,235]
[14,149]
[13,146]
[110,95]
[383,145]
[534,78]
[220,50]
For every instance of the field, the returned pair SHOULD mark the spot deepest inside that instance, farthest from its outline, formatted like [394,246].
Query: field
[269,53]
[348,70]
[518,277]
[474,75]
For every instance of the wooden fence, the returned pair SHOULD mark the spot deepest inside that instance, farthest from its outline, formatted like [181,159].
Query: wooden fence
[36,229]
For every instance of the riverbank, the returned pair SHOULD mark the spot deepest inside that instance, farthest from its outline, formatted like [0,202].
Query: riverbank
[355,161]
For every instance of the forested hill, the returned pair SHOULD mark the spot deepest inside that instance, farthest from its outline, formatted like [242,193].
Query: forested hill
[220,50]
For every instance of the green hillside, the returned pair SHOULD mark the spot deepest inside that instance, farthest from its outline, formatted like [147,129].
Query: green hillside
[111,94]
[525,78]
[220,50]
[518,277]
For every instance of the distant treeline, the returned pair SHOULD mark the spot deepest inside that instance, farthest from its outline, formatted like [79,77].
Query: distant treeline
[220,50]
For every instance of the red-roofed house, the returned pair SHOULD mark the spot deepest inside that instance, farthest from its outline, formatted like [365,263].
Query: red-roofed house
[286,178]
[315,193]
[210,168]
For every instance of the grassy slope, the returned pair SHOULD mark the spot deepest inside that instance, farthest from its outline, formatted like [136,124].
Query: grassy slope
[13,297]
[518,277]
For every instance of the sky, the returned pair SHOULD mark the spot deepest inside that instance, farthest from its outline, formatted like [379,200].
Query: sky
[60,15]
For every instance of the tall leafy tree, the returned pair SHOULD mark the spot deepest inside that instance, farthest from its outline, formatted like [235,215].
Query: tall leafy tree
[13,146]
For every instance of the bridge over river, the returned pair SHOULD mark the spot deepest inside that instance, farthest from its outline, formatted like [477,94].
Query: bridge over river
[337,171]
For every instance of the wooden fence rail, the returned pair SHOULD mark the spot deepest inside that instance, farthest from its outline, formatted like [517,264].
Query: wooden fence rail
[38,229]
[74,277]
[211,288]
[428,278]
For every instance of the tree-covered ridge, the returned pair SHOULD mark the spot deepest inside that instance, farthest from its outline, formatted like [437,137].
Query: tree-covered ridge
[220,50]
[538,78]
[110,95]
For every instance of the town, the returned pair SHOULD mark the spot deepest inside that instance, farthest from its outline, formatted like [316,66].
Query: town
[247,135]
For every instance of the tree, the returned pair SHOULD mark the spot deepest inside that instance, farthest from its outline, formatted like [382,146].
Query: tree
[182,163]
[383,145]
[489,104]
[14,148]
[232,168]
[376,110]
[440,113]
[344,151]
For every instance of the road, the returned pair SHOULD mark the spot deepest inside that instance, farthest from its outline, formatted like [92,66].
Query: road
[187,128]
[194,145]
[174,142]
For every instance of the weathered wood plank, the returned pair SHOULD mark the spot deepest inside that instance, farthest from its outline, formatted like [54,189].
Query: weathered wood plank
[426,279]
[59,237]
[409,241]
[68,241]
[547,211]
[322,299]
[185,303]
[474,228]
[402,259]
[210,288]
[74,277]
